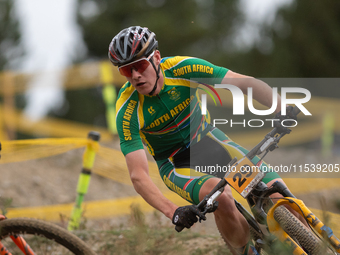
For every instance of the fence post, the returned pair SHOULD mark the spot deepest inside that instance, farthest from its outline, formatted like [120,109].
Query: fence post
[109,95]
[9,105]
[327,136]
[3,135]
[84,179]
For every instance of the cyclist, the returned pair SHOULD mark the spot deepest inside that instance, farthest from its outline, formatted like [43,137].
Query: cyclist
[158,107]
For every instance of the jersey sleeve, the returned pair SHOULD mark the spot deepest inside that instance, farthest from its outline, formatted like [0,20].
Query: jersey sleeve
[127,120]
[190,68]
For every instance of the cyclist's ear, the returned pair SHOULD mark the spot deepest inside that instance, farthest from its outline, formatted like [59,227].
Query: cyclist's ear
[157,57]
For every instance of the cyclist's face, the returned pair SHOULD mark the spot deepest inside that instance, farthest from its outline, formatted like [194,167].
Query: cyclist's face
[144,81]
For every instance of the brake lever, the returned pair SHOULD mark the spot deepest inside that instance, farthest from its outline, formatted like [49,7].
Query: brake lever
[276,140]
[209,209]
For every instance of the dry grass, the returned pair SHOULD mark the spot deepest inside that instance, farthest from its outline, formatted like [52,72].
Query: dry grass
[138,237]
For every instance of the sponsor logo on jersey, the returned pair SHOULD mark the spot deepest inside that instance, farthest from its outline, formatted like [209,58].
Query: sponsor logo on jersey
[174,94]
[151,110]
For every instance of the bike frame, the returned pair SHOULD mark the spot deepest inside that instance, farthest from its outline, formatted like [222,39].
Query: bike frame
[19,241]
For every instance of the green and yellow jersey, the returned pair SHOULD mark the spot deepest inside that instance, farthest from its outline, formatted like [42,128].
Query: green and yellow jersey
[170,121]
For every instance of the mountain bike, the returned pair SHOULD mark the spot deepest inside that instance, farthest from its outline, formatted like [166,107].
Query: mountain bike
[273,228]
[30,236]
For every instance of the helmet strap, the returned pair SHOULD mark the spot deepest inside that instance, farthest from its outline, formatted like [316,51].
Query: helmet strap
[157,73]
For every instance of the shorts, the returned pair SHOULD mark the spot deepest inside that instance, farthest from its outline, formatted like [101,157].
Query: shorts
[187,171]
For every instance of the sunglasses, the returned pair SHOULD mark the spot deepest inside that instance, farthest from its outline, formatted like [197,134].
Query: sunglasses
[139,65]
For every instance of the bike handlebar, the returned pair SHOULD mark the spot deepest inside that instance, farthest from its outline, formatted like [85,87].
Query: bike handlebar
[296,110]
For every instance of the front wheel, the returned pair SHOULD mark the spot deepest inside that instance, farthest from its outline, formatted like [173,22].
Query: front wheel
[298,231]
[42,237]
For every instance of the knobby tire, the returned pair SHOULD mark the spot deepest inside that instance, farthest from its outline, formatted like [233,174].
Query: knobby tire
[32,228]
[299,232]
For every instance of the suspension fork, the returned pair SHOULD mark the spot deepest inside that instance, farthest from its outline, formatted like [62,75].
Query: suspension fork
[256,202]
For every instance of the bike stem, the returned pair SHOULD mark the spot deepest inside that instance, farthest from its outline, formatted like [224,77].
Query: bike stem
[257,209]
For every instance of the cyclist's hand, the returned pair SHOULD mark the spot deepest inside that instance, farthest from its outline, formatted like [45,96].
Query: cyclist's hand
[289,115]
[186,216]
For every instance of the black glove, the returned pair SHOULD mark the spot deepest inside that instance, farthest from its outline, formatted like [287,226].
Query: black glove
[289,115]
[186,216]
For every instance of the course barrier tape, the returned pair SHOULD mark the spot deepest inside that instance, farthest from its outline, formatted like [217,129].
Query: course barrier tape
[22,150]
[109,163]
[80,76]
[52,127]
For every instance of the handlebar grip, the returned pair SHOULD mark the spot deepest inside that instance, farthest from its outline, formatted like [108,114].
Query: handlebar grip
[296,110]
[179,228]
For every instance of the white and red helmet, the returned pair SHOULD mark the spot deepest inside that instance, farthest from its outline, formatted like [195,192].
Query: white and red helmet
[130,44]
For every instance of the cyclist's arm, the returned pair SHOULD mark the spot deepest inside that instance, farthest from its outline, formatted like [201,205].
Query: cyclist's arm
[139,173]
[262,92]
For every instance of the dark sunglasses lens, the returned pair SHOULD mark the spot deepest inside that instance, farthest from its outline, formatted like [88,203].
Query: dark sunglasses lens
[139,66]
[126,70]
